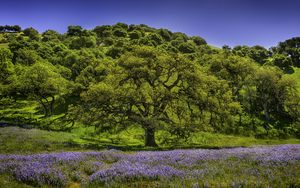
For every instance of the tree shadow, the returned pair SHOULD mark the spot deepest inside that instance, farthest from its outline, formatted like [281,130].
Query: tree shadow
[107,145]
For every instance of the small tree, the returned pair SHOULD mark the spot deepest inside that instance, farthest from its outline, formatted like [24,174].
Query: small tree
[198,40]
[290,48]
[42,83]
[50,35]
[31,33]
[6,66]
[275,96]
[74,30]
[6,70]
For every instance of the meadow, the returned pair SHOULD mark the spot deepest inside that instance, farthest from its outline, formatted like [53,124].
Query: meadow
[263,166]
[40,158]
[136,106]
[33,157]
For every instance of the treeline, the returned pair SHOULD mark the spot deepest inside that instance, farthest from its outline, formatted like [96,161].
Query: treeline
[112,77]
[10,28]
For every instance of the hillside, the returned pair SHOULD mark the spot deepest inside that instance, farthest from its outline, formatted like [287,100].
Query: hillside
[114,77]
[135,106]
[296,76]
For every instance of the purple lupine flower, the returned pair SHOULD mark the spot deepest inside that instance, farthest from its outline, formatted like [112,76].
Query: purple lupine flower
[37,173]
[113,165]
[126,170]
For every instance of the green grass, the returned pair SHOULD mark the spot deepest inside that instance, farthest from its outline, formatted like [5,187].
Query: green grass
[4,45]
[296,76]
[20,140]
[10,182]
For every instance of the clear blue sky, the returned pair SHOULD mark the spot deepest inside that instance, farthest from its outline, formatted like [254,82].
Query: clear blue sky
[231,22]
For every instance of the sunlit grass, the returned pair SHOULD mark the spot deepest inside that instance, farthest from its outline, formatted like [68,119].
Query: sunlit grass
[3,45]
[296,76]
[20,140]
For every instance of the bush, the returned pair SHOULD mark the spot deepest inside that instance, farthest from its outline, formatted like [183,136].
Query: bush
[198,40]
[157,39]
[187,47]
[165,34]
[31,33]
[83,42]
[108,41]
[261,132]
[273,133]
[120,32]
[135,35]
[115,52]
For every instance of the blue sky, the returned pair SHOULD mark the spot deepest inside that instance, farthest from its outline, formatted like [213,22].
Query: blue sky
[231,22]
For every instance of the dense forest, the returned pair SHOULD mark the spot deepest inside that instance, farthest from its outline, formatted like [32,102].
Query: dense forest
[113,77]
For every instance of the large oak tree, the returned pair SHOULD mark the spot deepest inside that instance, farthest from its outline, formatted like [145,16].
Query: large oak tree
[155,89]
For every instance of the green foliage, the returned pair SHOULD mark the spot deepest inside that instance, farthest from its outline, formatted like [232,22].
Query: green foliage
[74,30]
[27,56]
[113,77]
[232,68]
[10,28]
[119,32]
[31,33]
[290,48]
[103,31]
[92,75]
[115,52]
[154,90]
[180,36]
[40,82]
[50,35]
[165,34]
[282,61]
[168,47]
[198,40]
[108,41]
[83,42]
[135,35]
[157,40]
[272,91]
[6,68]
[121,25]
[187,47]
[257,53]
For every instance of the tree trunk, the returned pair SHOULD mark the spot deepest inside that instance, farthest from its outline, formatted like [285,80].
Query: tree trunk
[52,105]
[44,107]
[266,112]
[150,137]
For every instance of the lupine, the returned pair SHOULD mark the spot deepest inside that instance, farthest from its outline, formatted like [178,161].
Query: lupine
[37,173]
[58,169]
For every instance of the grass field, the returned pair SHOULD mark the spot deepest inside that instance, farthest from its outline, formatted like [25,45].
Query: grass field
[27,141]
[31,157]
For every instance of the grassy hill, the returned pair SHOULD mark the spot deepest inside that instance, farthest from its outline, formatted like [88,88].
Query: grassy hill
[296,76]
[64,97]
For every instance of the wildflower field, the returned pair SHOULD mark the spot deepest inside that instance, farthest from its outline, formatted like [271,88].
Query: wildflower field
[259,166]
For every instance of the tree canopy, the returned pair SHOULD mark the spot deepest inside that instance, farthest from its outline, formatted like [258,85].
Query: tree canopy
[117,76]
